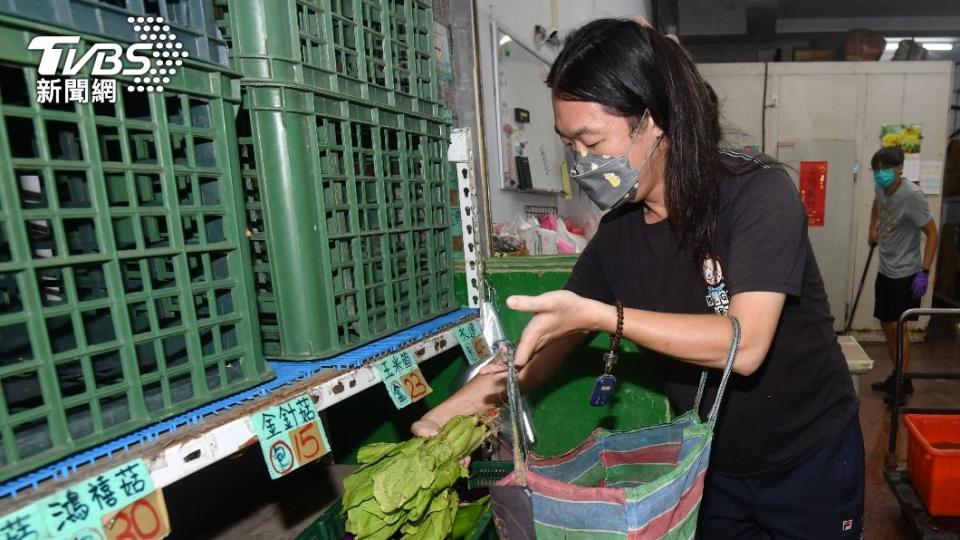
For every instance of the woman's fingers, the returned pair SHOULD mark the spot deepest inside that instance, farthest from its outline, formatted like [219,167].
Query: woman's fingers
[493,368]
[529,304]
[530,341]
[425,428]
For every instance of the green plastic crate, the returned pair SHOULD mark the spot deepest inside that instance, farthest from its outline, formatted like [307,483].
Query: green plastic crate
[349,220]
[125,289]
[190,20]
[484,474]
[381,51]
[330,526]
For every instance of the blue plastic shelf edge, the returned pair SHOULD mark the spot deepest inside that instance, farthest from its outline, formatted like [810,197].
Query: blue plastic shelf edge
[287,373]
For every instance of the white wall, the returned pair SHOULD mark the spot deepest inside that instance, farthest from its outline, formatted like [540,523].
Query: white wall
[518,18]
[840,100]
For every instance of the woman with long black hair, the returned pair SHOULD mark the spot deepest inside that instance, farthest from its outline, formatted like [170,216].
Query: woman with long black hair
[696,233]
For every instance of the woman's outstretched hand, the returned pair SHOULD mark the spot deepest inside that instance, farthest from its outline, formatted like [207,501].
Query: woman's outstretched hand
[556,314]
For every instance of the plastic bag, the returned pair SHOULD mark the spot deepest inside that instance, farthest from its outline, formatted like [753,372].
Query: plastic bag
[518,234]
[548,241]
[568,242]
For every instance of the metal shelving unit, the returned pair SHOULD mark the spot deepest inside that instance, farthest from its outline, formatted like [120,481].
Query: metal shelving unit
[174,449]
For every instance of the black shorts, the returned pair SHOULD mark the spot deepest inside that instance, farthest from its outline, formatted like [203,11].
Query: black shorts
[893,296]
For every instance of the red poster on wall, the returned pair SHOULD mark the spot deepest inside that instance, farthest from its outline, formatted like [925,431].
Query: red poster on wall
[813,190]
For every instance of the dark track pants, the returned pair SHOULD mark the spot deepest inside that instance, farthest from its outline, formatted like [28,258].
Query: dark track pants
[820,498]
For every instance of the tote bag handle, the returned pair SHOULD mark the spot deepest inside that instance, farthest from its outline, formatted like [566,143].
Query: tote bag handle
[727,369]
[515,403]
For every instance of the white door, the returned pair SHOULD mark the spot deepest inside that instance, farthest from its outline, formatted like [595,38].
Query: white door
[830,228]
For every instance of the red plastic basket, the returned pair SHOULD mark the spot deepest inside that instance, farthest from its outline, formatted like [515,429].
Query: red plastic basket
[933,460]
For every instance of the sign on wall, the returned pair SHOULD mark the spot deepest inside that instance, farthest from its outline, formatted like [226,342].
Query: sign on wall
[813,190]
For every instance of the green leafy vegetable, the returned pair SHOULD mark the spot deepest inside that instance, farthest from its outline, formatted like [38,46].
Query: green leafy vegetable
[406,486]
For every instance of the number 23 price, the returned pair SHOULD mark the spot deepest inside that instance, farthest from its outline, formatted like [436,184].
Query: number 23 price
[415,386]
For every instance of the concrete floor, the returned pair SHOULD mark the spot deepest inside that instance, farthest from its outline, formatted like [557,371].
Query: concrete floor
[940,352]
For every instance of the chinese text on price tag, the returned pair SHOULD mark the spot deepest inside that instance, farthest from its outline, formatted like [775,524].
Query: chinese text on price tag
[471,338]
[290,435]
[403,379]
[76,511]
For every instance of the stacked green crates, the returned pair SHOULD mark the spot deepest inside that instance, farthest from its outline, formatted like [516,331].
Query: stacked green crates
[342,152]
[191,21]
[376,51]
[125,289]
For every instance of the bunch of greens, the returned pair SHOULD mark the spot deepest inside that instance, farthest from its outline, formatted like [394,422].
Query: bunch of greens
[407,486]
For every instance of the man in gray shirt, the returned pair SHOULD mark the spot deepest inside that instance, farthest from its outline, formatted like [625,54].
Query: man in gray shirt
[900,213]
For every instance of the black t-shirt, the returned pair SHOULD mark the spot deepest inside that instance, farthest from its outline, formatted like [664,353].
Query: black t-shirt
[802,394]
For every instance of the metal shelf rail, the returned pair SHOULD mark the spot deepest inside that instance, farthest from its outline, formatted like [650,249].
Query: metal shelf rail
[180,446]
[923,525]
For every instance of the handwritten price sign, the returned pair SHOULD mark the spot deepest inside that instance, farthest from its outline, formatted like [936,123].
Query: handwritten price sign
[403,379]
[290,435]
[146,519]
[76,512]
[471,339]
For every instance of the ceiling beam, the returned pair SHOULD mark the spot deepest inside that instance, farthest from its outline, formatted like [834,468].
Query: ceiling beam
[896,25]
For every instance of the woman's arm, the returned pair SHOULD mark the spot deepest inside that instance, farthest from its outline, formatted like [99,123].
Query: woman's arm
[698,339]
[487,390]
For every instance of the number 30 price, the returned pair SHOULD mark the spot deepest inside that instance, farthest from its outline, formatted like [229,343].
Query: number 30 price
[146,519]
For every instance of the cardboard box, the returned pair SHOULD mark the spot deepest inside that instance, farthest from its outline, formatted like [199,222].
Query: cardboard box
[813,55]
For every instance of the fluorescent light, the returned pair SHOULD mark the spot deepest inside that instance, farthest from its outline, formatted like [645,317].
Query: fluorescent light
[930,44]
[504,40]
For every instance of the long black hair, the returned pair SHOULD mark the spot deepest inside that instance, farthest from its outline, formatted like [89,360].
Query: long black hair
[629,69]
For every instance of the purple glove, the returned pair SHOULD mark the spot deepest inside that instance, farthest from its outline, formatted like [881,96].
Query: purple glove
[920,282]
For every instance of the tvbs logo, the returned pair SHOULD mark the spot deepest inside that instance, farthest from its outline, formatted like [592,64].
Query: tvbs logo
[151,62]
[106,57]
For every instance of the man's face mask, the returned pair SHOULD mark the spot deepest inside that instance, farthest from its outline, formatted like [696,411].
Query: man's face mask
[884,178]
[609,181]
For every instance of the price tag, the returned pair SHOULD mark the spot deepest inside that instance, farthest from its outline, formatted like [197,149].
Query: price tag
[145,519]
[76,512]
[290,435]
[404,381]
[408,388]
[24,523]
[471,339]
[395,366]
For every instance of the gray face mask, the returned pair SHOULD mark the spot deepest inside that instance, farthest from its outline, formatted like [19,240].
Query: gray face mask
[608,181]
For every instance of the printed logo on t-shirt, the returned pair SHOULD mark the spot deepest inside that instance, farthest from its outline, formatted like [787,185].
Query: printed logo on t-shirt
[717,297]
[887,221]
[712,271]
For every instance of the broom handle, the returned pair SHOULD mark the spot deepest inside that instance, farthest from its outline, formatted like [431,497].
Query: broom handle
[856,300]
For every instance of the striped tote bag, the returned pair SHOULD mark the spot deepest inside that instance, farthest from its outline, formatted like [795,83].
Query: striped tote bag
[644,483]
